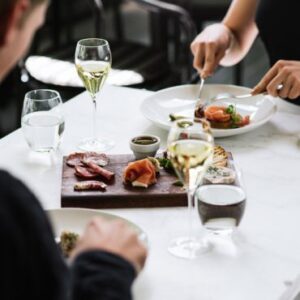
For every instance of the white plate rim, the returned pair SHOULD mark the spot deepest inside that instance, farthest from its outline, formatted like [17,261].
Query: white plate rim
[141,233]
[216,132]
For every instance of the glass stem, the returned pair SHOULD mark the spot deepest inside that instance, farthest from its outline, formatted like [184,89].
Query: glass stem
[190,194]
[94,117]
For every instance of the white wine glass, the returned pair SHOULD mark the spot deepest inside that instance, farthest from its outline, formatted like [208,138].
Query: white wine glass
[190,149]
[93,63]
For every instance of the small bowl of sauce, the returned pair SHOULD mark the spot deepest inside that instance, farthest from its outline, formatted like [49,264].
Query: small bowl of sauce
[144,146]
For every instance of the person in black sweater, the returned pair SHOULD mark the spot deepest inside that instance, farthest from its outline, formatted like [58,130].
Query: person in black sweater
[228,42]
[104,263]
[108,255]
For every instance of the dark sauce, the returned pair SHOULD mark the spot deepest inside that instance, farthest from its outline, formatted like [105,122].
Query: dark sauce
[144,140]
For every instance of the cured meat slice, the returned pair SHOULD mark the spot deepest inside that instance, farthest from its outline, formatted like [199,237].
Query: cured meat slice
[144,180]
[80,158]
[108,175]
[90,185]
[140,173]
[74,159]
[99,159]
[84,172]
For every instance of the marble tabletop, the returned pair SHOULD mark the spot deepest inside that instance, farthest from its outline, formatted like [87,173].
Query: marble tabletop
[267,255]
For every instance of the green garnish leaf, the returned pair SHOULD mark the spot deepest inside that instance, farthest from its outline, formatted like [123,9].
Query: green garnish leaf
[166,164]
[174,117]
[231,109]
[178,183]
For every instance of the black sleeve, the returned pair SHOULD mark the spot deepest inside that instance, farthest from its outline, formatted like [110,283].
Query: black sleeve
[31,262]
[97,275]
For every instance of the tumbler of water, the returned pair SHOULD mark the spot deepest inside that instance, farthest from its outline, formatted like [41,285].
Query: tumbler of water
[42,120]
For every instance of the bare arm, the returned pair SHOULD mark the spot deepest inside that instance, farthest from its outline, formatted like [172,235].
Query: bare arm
[240,19]
[228,42]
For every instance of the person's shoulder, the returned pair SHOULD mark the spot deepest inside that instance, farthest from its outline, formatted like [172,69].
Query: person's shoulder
[9,182]
[5,176]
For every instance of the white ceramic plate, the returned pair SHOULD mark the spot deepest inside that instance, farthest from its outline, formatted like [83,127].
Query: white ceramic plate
[182,99]
[75,220]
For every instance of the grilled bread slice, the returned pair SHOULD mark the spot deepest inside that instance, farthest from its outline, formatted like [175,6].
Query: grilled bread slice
[220,158]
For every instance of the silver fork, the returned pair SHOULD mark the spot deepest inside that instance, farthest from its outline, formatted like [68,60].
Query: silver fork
[202,81]
[232,96]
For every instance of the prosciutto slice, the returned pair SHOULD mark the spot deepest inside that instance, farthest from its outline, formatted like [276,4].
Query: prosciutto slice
[141,173]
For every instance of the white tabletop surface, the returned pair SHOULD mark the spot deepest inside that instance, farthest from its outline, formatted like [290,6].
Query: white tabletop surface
[268,253]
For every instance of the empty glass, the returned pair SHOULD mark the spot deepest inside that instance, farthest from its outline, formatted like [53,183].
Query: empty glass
[42,120]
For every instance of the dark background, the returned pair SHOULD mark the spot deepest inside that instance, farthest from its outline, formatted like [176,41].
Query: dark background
[147,41]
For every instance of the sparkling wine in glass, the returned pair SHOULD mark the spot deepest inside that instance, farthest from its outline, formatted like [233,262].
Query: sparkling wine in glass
[93,63]
[190,148]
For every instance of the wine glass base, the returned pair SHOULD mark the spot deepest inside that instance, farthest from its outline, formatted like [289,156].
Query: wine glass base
[96,145]
[188,248]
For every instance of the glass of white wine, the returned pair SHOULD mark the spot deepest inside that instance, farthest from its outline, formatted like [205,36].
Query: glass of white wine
[190,149]
[93,63]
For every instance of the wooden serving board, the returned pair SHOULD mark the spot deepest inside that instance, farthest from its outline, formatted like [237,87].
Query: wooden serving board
[117,195]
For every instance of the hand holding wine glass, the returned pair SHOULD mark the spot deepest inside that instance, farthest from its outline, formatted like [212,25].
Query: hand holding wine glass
[190,148]
[93,63]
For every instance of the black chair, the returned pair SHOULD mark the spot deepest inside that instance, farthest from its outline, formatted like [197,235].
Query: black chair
[167,61]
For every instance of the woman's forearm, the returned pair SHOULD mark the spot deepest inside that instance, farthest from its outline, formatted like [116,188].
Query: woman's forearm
[242,30]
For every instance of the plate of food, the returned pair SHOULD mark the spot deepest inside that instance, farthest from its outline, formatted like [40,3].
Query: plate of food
[228,117]
[68,224]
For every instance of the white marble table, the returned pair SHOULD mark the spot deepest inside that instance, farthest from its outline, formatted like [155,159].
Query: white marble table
[269,250]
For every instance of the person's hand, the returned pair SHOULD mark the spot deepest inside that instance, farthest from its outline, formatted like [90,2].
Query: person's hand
[209,47]
[285,73]
[115,237]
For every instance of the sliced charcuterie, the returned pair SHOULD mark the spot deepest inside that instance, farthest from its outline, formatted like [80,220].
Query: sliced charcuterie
[90,185]
[84,172]
[99,159]
[74,159]
[106,174]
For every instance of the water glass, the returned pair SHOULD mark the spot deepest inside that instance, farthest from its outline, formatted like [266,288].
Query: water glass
[42,120]
[221,206]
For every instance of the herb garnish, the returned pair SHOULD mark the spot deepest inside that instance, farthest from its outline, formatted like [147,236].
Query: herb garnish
[174,117]
[166,164]
[235,117]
